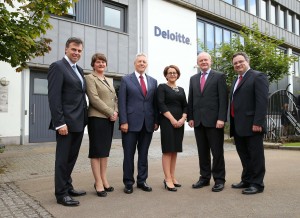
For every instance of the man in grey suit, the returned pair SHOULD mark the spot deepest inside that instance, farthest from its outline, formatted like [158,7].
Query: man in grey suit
[248,110]
[66,93]
[138,119]
[207,112]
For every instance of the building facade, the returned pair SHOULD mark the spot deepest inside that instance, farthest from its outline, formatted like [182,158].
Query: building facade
[168,31]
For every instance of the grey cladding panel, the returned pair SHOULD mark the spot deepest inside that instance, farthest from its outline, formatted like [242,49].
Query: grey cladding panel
[101,41]
[113,52]
[89,45]
[123,54]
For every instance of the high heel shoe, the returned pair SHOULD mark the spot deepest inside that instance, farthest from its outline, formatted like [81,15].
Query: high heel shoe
[109,189]
[177,185]
[168,188]
[100,193]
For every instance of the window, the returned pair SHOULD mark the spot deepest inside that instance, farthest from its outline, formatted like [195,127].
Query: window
[297,25]
[241,4]
[272,16]
[113,16]
[263,10]
[252,7]
[211,36]
[289,22]
[228,1]
[71,10]
[281,19]
[297,65]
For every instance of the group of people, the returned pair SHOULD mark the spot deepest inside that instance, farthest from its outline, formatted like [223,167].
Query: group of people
[142,107]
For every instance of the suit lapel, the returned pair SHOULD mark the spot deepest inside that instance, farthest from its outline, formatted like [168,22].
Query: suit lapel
[208,79]
[136,83]
[71,71]
[104,83]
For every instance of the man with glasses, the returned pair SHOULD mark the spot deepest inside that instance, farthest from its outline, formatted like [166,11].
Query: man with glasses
[207,112]
[248,110]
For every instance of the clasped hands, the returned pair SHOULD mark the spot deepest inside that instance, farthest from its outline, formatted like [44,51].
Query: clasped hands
[114,117]
[177,123]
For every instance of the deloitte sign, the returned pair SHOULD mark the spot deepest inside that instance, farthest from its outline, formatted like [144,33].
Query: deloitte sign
[166,34]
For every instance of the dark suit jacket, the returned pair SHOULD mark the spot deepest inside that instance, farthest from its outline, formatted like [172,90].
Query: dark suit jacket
[210,105]
[66,97]
[250,101]
[134,108]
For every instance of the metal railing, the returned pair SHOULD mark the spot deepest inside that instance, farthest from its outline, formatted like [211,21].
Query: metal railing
[282,116]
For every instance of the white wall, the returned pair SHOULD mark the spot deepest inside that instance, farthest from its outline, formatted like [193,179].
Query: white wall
[10,120]
[161,49]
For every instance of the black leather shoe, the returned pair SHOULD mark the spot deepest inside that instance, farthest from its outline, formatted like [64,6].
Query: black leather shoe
[252,190]
[177,185]
[218,187]
[75,193]
[128,189]
[240,185]
[100,193]
[109,189]
[200,184]
[144,186]
[68,201]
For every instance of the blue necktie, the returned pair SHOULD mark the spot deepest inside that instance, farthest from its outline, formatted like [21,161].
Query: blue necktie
[77,73]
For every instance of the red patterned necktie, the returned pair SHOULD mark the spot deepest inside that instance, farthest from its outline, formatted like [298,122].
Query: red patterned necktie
[143,85]
[202,81]
[231,106]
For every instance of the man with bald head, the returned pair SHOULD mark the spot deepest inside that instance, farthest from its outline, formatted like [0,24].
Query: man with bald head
[207,112]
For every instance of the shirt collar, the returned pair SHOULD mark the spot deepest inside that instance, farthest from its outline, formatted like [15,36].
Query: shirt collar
[138,74]
[71,64]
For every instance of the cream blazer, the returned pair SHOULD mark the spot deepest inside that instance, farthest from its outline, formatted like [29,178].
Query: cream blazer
[103,100]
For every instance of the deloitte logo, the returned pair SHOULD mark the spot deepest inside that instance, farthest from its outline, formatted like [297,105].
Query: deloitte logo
[177,37]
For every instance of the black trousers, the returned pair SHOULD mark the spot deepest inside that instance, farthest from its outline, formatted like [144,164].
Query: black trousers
[130,141]
[67,150]
[211,140]
[251,152]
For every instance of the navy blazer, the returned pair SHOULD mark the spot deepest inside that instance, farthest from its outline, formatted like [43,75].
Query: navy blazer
[134,107]
[250,103]
[66,97]
[210,105]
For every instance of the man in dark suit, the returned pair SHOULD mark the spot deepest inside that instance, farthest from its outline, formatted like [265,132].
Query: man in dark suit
[207,112]
[138,119]
[248,110]
[66,93]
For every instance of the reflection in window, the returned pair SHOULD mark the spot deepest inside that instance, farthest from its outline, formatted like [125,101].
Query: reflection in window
[263,10]
[281,18]
[252,5]
[241,4]
[289,22]
[226,36]
[272,17]
[228,1]
[218,35]
[71,10]
[210,36]
[112,17]
[297,26]
[200,35]
[297,66]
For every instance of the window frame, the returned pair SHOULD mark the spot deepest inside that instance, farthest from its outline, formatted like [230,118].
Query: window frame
[123,15]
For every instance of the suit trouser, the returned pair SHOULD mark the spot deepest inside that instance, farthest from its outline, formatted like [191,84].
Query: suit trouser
[211,139]
[251,153]
[130,141]
[67,150]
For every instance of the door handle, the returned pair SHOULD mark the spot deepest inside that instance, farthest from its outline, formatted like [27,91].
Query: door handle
[33,114]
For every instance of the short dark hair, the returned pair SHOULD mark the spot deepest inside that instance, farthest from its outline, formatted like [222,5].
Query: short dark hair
[98,56]
[174,67]
[76,40]
[242,54]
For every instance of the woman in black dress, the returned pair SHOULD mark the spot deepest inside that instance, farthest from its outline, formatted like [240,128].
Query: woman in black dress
[173,111]
[102,112]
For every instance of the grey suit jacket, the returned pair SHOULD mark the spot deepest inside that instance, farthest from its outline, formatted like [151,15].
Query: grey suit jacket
[250,103]
[103,100]
[210,105]
[134,107]
[66,97]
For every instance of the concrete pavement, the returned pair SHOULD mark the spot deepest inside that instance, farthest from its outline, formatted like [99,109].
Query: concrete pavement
[26,186]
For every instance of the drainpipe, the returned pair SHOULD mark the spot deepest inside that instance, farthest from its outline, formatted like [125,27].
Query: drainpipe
[139,26]
[23,112]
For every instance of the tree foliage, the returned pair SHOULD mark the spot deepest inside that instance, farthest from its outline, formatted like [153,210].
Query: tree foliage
[263,50]
[22,26]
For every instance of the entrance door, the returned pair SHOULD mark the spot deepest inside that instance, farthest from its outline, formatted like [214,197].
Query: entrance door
[39,112]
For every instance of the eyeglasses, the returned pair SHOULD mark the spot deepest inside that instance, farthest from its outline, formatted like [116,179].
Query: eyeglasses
[172,73]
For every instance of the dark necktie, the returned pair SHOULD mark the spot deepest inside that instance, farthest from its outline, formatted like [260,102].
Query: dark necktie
[143,85]
[77,73]
[231,106]
[202,81]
